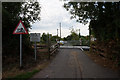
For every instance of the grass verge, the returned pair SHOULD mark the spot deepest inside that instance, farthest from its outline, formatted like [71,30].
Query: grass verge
[105,62]
[28,74]
[24,76]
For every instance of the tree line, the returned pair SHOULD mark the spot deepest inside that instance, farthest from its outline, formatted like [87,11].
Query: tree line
[104,19]
[12,13]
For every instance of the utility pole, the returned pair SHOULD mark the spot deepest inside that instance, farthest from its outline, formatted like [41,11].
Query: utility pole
[49,46]
[79,33]
[80,38]
[60,30]
[89,35]
[57,32]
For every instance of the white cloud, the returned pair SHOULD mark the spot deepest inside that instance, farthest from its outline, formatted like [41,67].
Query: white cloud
[52,13]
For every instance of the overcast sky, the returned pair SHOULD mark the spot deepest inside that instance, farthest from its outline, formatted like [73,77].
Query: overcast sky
[52,13]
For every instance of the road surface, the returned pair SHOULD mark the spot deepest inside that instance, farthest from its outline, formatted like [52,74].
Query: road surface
[73,63]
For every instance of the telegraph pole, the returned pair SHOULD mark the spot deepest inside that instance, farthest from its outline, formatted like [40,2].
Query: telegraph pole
[80,38]
[57,32]
[49,42]
[60,30]
[79,33]
[89,35]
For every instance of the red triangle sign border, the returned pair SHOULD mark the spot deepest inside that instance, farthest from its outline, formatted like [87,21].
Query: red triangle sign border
[20,32]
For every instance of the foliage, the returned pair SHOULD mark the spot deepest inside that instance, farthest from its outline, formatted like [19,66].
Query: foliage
[74,38]
[12,13]
[24,76]
[104,20]
[30,11]
[53,39]
[73,35]
[44,38]
[103,17]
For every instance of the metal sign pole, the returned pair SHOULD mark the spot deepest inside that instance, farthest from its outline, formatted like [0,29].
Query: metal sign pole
[35,50]
[20,50]
[20,29]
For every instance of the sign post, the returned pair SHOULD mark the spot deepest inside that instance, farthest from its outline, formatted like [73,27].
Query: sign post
[35,37]
[35,50]
[20,29]
[20,50]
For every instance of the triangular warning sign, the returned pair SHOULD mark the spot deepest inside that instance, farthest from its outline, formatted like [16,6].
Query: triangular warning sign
[20,29]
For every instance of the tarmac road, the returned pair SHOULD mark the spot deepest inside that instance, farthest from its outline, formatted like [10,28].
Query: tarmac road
[73,63]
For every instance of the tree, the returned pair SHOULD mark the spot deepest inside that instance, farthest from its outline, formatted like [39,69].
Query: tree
[11,14]
[44,38]
[54,38]
[103,17]
[73,35]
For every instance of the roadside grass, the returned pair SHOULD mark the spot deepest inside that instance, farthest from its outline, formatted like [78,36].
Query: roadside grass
[30,68]
[105,62]
[24,76]
[15,73]
[28,74]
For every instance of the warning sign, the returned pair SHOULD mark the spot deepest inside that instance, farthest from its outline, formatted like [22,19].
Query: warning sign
[20,29]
